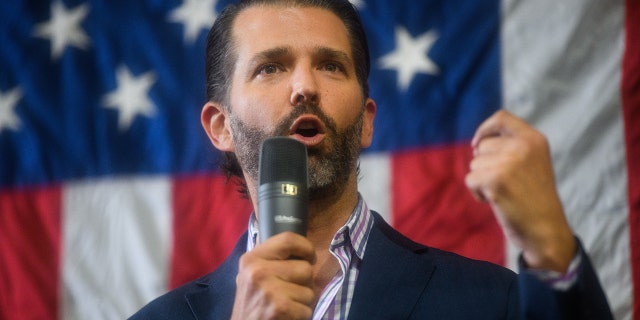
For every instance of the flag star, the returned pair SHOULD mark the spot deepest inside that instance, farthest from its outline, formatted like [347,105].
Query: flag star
[358,4]
[131,97]
[64,28]
[195,15]
[8,102]
[410,56]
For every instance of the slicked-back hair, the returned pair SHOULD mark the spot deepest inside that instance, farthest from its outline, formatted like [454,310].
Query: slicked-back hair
[221,57]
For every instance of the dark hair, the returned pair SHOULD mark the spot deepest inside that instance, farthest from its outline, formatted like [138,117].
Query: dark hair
[221,57]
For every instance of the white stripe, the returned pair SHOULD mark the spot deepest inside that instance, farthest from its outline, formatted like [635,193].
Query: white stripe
[375,183]
[116,246]
[561,72]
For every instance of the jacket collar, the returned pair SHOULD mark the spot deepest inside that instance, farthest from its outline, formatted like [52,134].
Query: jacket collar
[388,273]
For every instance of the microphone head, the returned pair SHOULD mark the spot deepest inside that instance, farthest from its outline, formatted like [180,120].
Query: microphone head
[283,159]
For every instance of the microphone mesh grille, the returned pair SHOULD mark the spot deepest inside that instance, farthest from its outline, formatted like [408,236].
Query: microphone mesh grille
[283,159]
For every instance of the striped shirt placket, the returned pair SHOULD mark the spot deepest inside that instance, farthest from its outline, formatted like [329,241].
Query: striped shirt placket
[348,246]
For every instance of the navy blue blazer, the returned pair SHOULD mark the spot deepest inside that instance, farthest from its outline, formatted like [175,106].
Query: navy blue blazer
[401,279]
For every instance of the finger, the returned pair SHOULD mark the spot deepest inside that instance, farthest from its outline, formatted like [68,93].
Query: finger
[489,146]
[297,293]
[294,271]
[500,123]
[276,299]
[474,186]
[286,307]
[486,178]
[288,299]
[485,164]
[275,277]
[297,311]
[285,246]
[255,269]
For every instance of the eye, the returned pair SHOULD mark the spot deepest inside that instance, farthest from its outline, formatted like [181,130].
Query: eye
[267,69]
[332,67]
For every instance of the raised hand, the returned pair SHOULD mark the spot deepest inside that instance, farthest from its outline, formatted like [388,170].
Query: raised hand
[512,171]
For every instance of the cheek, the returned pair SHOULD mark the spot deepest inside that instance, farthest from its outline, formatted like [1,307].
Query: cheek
[347,107]
[253,110]
[260,105]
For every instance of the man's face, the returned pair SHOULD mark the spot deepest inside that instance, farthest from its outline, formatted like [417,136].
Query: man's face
[295,76]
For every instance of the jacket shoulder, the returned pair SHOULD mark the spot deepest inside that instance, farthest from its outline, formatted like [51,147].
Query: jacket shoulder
[173,304]
[210,295]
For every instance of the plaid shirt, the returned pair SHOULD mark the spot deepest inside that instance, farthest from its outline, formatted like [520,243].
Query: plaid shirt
[348,247]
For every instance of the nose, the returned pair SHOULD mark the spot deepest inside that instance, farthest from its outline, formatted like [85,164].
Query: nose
[304,88]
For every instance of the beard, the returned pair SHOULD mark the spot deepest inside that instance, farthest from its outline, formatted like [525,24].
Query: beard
[330,167]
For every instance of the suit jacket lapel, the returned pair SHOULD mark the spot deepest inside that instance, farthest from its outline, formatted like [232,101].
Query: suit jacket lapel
[388,274]
[218,289]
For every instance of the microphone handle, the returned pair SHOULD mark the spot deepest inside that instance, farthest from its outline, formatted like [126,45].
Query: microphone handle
[282,206]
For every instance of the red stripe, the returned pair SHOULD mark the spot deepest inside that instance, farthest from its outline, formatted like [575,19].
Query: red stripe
[209,216]
[30,240]
[631,109]
[432,205]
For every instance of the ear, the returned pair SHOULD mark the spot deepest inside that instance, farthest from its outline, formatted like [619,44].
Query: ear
[367,123]
[215,122]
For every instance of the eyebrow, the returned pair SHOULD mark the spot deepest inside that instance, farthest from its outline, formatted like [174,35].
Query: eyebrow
[280,52]
[333,54]
[270,54]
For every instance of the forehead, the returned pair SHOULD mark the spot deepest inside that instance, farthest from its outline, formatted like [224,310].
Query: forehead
[261,28]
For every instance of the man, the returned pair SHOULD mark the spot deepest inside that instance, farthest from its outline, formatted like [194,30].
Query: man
[299,69]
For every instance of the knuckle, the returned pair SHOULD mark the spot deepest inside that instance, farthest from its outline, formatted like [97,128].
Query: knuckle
[278,309]
[470,181]
[491,195]
[255,274]
[288,238]
[245,261]
[308,295]
[501,113]
[251,272]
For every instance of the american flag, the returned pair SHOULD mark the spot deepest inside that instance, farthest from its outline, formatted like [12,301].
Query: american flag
[109,190]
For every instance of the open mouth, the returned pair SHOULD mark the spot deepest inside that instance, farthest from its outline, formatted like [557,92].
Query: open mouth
[308,129]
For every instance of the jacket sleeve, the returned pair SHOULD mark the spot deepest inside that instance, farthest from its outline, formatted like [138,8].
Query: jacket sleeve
[585,299]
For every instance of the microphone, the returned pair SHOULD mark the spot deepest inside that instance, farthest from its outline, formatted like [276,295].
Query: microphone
[283,187]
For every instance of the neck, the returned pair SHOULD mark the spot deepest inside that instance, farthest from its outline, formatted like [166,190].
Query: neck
[328,214]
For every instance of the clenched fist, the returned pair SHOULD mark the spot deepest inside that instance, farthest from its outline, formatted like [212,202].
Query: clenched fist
[512,171]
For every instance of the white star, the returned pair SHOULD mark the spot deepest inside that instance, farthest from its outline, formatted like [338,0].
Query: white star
[358,4]
[64,28]
[195,15]
[131,97]
[8,102]
[410,56]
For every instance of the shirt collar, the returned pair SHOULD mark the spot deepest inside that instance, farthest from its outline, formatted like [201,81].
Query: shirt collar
[355,232]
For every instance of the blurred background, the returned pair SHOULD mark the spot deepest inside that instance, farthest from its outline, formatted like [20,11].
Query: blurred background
[110,192]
